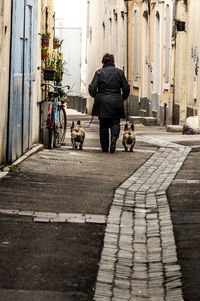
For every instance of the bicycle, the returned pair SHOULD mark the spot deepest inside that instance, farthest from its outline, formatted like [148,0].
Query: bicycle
[57,117]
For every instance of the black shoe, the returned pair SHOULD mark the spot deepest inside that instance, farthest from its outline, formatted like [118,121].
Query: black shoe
[105,150]
[113,145]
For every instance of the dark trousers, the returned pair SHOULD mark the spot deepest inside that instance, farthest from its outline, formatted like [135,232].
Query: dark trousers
[105,124]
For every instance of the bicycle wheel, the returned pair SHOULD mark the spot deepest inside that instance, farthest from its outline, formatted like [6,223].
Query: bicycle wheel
[61,126]
[50,124]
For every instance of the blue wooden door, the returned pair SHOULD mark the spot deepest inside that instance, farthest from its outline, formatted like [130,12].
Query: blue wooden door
[28,75]
[21,76]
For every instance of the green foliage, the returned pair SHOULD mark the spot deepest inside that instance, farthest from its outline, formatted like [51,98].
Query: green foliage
[13,168]
[63,95]
[54,61]
[46,35]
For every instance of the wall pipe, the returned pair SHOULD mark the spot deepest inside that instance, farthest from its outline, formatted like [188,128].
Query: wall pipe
[127,35]
[127,45]
[173,94]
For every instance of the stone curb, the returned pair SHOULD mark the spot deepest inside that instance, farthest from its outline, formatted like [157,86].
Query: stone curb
[174,128]
[29,153]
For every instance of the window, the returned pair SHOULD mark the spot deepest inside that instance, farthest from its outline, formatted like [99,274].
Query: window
[167,44]
[135,45]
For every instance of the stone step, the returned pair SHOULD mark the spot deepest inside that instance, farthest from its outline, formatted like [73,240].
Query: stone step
[148,121]
[174,128]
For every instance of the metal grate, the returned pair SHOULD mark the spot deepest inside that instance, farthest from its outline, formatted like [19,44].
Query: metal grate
[61,160]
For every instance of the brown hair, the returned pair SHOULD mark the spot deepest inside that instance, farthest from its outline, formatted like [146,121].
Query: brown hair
[108,58]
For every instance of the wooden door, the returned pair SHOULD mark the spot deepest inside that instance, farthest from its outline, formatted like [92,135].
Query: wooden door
[21,76]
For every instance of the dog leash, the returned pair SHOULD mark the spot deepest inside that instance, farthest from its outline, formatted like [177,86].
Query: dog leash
[90,122]
[126,112]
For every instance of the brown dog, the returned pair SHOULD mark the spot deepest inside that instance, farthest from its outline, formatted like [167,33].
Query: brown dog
[77,135]
[128,137]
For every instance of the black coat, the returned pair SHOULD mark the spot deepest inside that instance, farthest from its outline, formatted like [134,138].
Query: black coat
[110,88]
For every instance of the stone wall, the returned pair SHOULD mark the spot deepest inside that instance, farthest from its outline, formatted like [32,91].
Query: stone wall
[5,30]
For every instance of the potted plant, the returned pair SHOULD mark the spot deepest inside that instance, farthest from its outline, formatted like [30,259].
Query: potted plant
[60,63]
[49,74]
[45,39]
[50,67]
[44,53]
[62,96]
[55,43]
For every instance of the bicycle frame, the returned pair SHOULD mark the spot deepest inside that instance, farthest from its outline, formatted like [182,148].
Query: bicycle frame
[52,112]
[56,119]
[53,108]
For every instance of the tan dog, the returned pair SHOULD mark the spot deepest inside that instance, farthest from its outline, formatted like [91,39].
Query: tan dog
[128,137]
[77,135]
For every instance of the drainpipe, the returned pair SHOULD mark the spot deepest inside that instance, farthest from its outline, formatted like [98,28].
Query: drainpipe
[127,35]
[174,65]
[127,40]
[165,114]
[182,79]
[127,45]
[86,53]
[87,37]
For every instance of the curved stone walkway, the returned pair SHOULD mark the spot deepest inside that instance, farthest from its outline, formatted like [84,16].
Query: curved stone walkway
[139,260]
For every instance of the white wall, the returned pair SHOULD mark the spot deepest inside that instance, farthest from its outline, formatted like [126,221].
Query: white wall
[73,14]
[71,53]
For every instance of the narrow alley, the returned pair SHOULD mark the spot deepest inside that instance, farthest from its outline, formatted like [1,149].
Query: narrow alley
[87,225]
[99,223]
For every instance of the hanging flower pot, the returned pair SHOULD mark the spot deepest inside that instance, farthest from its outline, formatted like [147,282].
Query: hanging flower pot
[45,39]
[44,54]
[55,44]
[45,42]
[49,74]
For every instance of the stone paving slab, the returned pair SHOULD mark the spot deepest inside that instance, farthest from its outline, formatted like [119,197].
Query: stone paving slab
[58,217]
[142,248]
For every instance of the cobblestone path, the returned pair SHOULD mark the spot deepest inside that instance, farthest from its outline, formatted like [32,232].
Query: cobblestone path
[139,260]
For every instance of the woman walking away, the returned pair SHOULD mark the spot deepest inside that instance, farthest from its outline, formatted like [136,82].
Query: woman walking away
[110,89]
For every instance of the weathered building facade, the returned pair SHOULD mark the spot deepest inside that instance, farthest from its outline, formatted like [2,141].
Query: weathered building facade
[187,52]
[106,32]
[163,59]
[46,24]
[156,42]
[20,73]
[149,53]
